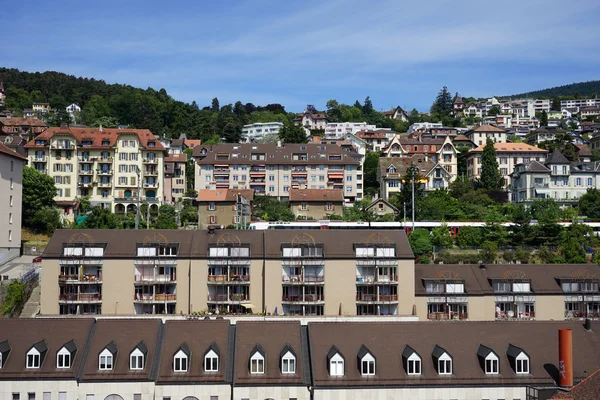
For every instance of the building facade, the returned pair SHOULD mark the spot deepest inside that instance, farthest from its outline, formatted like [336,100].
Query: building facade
[480,134]
[175,184]
[116,168]
[437,150]
[429,175]
[257,131]
[338,130]
[220,207]
[274,169]
[508,156]
[11,201]
[311,121]
[316,203]
[26,127]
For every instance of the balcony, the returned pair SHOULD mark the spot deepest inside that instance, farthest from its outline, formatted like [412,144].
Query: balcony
[105,184]
[374,279]
[153,279]
[86,172]
[224,279]
[84,184]
[224,298]
[157,298]
[150,161]
[39,159]
[83,279]
[86,160]
[294,279]
[578,315]
[540,185]
[444,316]
[150,184]
[373,298]
[307,298]
[512,316]
[81,297]
[105,159]
[153,172]
[104,171]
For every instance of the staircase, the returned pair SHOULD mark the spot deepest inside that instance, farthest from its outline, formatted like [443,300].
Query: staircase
[32,308]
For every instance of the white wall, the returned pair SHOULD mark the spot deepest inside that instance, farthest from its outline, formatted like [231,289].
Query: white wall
[448,393]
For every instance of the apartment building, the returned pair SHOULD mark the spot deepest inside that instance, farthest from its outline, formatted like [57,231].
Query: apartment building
[576,104]
[41,108]
[338,130]
[392,170]
[512,292]
[25,127]
[424,126]
[544,134]
[480,134]
[557,178]
[316,203]
[152,359]
[257,131]
[311,120]
[587,112]
[508,156]
[11,199]
[115,167]
[220,207]
[273,169]
[175,184]
[350,272]
[376,140]
[437,150]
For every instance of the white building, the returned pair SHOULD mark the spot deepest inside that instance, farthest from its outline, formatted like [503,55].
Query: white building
[11,198]
[337,130]
[72,109]
[257,131]
[576,104]
[424,126]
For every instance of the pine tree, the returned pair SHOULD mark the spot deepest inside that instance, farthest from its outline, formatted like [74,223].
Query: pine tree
[544,118]
[443,103]
[215,105]
[490,172]
[368,106]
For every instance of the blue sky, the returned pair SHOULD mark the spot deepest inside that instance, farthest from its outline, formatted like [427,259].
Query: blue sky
[398,52]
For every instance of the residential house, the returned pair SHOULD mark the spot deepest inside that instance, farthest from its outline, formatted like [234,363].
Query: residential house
[311,120]
[397,113]
[432,175]
[316,203]
[2,94]
[260,130]
[274,169]
[177,146]
[481,133]
[439,150]
[72,110]
[14,142]
[174,175]
[508,155]
[544,134]
[337,130]
[587,112]
[191,143]
[458,105]
[220,207]
[463,141]
[556,178]
[473,110]
[381,207]
[41,108]
[116,168]
[25,127]
[11,199]
[376,140]
[583,152]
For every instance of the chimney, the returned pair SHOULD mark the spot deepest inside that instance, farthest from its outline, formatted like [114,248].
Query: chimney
[565,357]
[100,128]
[279,144]
[211,230]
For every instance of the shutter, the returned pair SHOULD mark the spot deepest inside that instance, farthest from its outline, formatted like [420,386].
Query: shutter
[333,207]
[207,207]
[215,219]
[325,207]
[233,220]
[233,207]
[307,207]
[300,207]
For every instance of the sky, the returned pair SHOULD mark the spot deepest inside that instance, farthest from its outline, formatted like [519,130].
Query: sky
[292,52]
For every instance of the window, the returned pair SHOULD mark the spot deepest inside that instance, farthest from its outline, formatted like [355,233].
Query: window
[367,365]
[445,364]
[48,396]
[414,364]
[33,358]
[522,364]
[491,364]
[211,362]
[336,365]
[288,363]
[63,358]
[212,219]
[180,362]
[106,360]
[136,359]
[16,396]
[10,218]
[137,396]
[257,363]
[211,206]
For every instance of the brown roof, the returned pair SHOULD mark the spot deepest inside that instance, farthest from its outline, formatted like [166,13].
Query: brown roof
[313,116]
[486,128]
[126,334]
[177,142]
[583,150]
[274,154]
[511,147]
[122,244]
[191,143]
[336,195]
[224,195]
[11,153]
[175,158]
[587,389]
[387,341]
[403,163]
[461,138]
[272,337]
[544,278]
[22,334]
[97,136]
[428,141]
[16,121]
[378,134]
[198,336]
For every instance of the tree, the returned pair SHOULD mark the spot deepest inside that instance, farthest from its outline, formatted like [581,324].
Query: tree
[490,180]
[311,109]
[440,236]
[334,114]
[461,160]
[489,252]
[420,242]
[268,208]
[84,204]
[232,133]
[494,110]
[589,204]
[544,118]
[14,298]
[166,218]
[105,122]
[469,236]
[443,103]
[215,105]
[555,104]
[38,192]
[370,167]
[367,108]
[46,220]
[291,133]
[358,212]
[101,218]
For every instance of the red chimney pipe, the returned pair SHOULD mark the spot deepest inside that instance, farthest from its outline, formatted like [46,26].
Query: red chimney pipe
[565,357]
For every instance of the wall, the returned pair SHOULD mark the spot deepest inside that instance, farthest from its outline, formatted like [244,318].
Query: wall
[482,308]
[49,287]
[124,389]
[316,209]
[340,287]
[549,308]
[448,393]
[406,286]
[179,391]
[273,286]
[39,387]
[11,186]
[278,392]
[223,212]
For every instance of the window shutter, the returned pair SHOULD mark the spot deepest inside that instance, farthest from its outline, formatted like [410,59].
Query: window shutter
[233,207]
[207,207]
[233,220]
[325,207]
[307,207]
[333,207]
[300,207]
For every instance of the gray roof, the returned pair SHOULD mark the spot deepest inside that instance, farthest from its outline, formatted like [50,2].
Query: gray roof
[71,346]
[408,351]
[514,351]
[484,351]
[438,351]
[557,158]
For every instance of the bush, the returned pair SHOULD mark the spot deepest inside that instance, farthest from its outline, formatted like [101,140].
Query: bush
[46,220]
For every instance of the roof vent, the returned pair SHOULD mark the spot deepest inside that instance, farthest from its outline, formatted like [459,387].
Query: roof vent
[211,230]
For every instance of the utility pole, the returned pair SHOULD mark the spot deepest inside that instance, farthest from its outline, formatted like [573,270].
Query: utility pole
[137,210]
[412,168]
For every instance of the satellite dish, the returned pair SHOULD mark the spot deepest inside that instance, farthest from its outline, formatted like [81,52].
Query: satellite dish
[511,314]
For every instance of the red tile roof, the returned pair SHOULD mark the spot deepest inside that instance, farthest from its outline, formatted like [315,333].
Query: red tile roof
[5,150]
[379,134]
[176,158]
[191,143]
[314,116]
[97,136]
[225,195]
[512,148]
[587,389]
[316,195]
[16,121]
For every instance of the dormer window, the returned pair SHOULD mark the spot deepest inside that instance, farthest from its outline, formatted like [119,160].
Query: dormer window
[442,360]
[137,358]
[522,366]
[288,360]
[4,352]
[412,361]
[211,359]
[391,170]
[518,359]
[335,360]
[33,358]
[107,357]
[65,356]
[489,360]
[257,360]
[181,359]
[366,362]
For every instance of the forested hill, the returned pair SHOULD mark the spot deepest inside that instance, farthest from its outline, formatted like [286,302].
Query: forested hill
[574,90]
[112,104]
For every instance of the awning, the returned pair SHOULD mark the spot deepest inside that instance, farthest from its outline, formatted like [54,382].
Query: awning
[248,306]
[338,176]
[542,191]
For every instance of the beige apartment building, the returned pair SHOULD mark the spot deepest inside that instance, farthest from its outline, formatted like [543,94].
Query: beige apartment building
[114,167]
[316,203]
[220,207]
[480,134]
[175,184]
[321,272]
[275,169]
[508,156]
[11,200]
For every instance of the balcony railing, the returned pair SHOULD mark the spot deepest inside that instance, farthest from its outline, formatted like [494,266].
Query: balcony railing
[80,278]
[307,298]
[40,159]
[234,278]
[581,315]
[236,297]
[150,184]
[366,279]
[81,297]
[89,160]
[150,278]
[373,297]
[303,279]
[150,160]
[508,316]
[444,316]
[151,173]
[104,171]
[86,172]
[147,297]
[105,184]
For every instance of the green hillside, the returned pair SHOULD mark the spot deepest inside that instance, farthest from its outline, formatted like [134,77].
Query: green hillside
[574,90]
